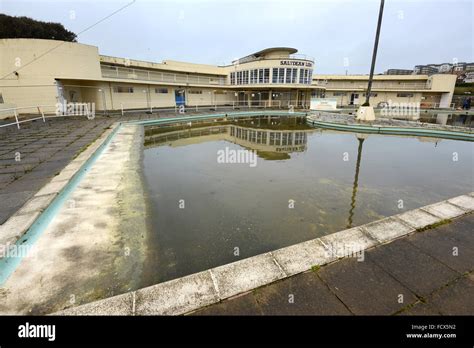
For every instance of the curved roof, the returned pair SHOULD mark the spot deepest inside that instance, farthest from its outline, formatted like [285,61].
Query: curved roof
[290,50]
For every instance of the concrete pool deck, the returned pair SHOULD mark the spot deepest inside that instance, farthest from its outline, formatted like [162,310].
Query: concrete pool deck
[185,294]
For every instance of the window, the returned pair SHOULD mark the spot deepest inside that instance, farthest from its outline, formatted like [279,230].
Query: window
[239,77]
[195,91]
[254,76]
[405,95]
[339,94]
[371,94]
[232,78]
[291,75]
[1,98]
[288,75]
[260,75]
[275,75]
[302,72]
[281,75]
[161,90]
[266,75]
[305,76]
[245,77]
[120,89]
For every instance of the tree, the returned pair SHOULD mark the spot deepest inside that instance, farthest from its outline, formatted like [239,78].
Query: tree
[28,28]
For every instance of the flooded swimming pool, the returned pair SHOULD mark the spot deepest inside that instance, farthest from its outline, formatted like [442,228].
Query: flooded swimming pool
[226,191]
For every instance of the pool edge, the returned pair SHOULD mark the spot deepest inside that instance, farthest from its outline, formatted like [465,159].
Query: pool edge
[187,294]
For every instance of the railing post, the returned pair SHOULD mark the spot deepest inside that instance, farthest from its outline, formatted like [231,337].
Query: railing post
[16,118]
[121,107]
[42,114]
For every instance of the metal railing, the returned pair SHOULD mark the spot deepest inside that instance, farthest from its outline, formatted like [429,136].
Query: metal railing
[41,112]
[133,107]
[112,71]
[375,85]
[297,56]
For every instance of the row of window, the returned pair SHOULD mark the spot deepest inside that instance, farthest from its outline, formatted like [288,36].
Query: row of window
[279,75]
[120,89]
[399,95]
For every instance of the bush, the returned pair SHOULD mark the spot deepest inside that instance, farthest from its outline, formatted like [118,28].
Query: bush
[28,28]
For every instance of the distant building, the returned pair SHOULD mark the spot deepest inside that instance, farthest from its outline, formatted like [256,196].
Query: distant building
[444,68]
[425,70]
[469,77]
[399,72]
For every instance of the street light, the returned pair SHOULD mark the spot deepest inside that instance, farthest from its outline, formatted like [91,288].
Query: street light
[366,112]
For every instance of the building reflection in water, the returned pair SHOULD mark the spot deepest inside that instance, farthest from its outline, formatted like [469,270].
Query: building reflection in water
[270,144]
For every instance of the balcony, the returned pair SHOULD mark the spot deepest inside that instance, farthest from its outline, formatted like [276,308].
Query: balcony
[375,85]
[111,71]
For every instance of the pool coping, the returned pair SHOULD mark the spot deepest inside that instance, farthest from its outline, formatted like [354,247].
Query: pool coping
[430,130]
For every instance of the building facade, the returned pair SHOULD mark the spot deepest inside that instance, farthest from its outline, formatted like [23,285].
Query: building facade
[46,73]
[435,91]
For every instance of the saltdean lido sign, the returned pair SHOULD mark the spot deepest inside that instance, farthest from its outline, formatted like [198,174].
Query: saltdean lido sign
[295,63]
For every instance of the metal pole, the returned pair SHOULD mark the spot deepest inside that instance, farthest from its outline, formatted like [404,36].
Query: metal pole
[374,54]
[16,118]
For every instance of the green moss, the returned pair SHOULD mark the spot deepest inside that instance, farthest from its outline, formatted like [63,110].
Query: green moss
[437,224]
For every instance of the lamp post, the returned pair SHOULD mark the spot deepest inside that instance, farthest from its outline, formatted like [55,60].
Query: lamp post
[366,112]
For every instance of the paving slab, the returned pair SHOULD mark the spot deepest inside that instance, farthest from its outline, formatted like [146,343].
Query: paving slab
[419,218]
[387,229]
[420,308]
[447,245]
[242,305]
[349,242]
[53,187]
[247,274]
[117,305]
[36,204]
[444,210]
[365,288]
[177,296]
[466,202]
[15,227]
[305,294]
[456,298]
[419,272]
[302,256]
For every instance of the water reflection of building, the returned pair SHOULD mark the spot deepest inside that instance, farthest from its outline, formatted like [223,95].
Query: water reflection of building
[269,140]
[264,141]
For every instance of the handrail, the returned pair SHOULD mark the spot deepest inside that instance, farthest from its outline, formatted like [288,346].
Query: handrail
[42,115]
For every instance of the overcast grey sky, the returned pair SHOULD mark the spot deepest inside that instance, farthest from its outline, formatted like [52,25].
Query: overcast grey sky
[217,31]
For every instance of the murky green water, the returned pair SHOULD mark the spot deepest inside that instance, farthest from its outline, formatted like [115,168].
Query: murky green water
[306,183]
